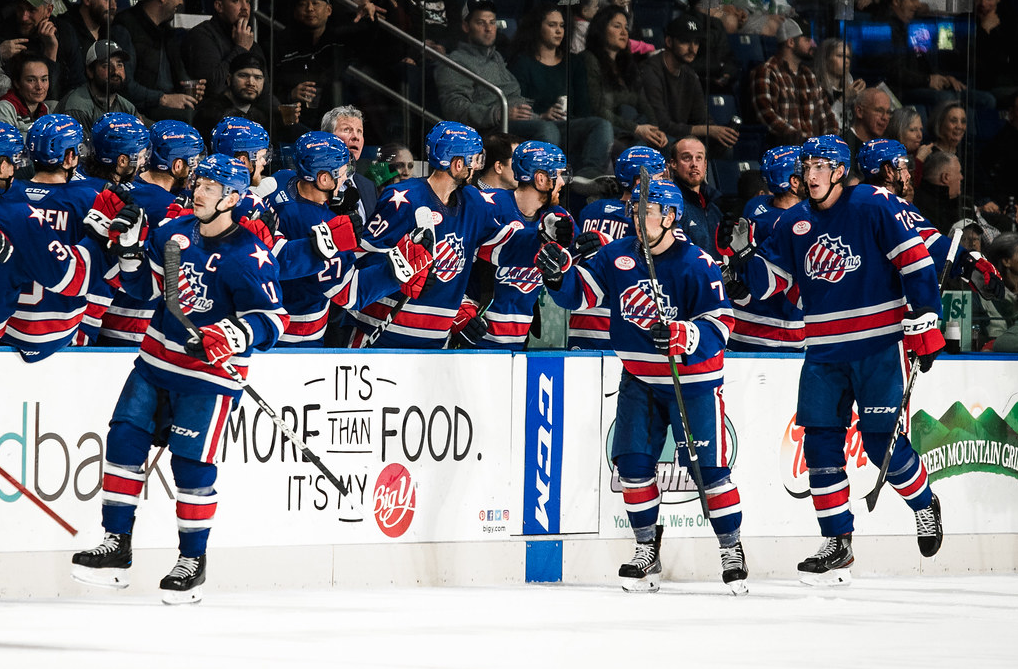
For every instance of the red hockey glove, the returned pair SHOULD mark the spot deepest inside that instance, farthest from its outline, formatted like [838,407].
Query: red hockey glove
[923,337]
[181,206]
[411,260]
[220,342]
[6,248]
[557,227]
[589,243]
[258,228]
[678,338]
[982,276]
[554,262]
[734,238]
[468,328]
[340,233]
[107,204]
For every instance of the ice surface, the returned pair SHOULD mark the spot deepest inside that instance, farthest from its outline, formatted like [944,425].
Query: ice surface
[875,622]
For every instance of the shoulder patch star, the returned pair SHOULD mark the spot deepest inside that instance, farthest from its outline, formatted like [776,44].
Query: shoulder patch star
[262,255]
[399,197]
[707,257]
[880,190]
[488,197]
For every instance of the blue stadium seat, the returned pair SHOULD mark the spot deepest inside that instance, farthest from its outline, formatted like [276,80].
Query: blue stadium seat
[748,49]
[722,108]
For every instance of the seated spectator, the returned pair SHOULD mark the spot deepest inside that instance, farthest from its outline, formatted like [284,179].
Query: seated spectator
[498,162]
[701,213]
[947,125]
[210,47]
[832,64]
[763,17]
[996,50]
[104,68]
[27,99]
[872,112]
[673,90]
[938,195]
[715,63]
[613,81]
[32,30]
[1003,326]
[77,30]
[906,126]
[786,95]
[557,86]
[582,14]
[154,63]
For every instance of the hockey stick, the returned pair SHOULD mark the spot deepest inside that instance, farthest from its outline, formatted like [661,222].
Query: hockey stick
[171,293]
[38,502]
[913,372]
[641,219]
[422,215]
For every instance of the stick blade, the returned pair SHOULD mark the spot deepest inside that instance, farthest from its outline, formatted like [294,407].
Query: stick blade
[871,498]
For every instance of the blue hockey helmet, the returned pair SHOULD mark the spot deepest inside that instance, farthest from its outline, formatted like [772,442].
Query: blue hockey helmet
[629,162]
[532,157]
[118,134]
[448,140]
[876,152]
[172,140]
[235,135]
[12,145]
[663,192]
[830,147]
[52,136]
[225,170]
[318,151]
[778,165]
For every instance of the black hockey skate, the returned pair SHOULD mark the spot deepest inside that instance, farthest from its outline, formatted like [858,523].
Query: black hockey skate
[830,565]
[183,584]
[105,565]
[643,572]
[734,571]
[928,528]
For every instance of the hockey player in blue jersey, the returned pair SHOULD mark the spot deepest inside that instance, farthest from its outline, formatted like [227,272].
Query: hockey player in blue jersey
[869,294]
[178,392]
[608,217]
[694,328]
[774,324]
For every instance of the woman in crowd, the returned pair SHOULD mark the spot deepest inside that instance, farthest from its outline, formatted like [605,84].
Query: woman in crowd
[26,100]
[948,124]
[833,61]
[906,126]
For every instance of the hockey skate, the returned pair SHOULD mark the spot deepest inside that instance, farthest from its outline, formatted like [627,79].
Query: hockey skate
[830,565]
[643,572]
[105,565]
[183,584]
[929,530]
[733,568]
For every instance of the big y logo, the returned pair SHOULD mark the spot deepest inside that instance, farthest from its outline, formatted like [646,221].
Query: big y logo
[395,500]
[862,474]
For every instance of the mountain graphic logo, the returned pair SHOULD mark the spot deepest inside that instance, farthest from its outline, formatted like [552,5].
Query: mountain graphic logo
[957,443]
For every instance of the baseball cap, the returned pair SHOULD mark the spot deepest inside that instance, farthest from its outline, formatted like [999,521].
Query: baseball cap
[788,29]
[684,29]
[247,60]
[39,3]
[471,6]
[103,49]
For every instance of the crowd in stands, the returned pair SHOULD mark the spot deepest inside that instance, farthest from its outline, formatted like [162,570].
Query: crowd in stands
[710,85]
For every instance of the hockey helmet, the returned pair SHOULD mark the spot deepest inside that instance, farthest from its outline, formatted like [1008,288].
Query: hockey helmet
[52,136]
[172,140]
[225,170]
[778,166]
[532,157]
[118,134]
[664,193]
[235,135]
[876,152]
[12,145]
[829,147]
[318,151]
[627,165]
[448,140]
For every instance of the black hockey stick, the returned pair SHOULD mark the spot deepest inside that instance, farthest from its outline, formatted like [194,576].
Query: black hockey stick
[641,221]
[913,372]
[171,293]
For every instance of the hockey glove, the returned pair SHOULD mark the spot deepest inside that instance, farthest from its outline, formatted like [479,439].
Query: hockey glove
[923,337]
[105,207]
[982,276]
[411,260]
[6,248]
[553,261]
[340,233]
[737,291]
[219,342]
[181,206]
[128,232]
[557,228]
[678,338]
[589,243]
[734,238]
[468,327]
[258,228]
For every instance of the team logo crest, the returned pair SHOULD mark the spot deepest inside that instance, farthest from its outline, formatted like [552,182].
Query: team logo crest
[830,259]
[637,305]
[523,279]
[449,258]
[198,299]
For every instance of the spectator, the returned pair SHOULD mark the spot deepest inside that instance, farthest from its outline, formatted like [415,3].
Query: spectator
[673,90]
[105,70]
[872,112]
[906,126]
[393,164]
[32,30]
[558,86]
[498,161]
[77,30]
[1003,325]
[715,63]
[786,95]
[701,214]
[938,195]
[27,100]
[210,47]
[947,125]
[996,50]
[613,81]
[833,63]
[154,61]
[347,123]
[582,14]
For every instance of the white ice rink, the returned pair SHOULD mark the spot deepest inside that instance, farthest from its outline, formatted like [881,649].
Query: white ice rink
[876,622]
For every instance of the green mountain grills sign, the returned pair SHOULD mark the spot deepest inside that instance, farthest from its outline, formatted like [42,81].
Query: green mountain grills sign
[957,443]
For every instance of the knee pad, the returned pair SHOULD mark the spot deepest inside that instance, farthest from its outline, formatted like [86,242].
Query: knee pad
[192,475]
[127,444]
[824,447]
[636,466]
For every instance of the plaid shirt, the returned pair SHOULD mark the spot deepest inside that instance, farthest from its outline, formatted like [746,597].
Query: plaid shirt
[791,104]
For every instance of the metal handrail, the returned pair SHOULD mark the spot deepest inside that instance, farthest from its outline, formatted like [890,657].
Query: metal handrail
[442,58]
[363,78]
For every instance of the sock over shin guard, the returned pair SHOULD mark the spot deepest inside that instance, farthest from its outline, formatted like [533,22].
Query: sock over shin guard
[196,504]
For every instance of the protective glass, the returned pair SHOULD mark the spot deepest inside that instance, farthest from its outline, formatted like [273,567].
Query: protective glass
[819,165]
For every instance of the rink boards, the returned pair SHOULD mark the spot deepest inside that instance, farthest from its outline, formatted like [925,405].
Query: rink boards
[473,448]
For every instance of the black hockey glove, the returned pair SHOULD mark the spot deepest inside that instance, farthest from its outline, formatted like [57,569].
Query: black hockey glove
[589,243]
[6,248]
[553,261]
[734,238]
[557,228]
[982,276]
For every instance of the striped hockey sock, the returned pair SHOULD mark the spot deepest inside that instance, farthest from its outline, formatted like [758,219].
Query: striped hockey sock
[642,499]
[122,485]
[911,481]
[829,488]
[725,510]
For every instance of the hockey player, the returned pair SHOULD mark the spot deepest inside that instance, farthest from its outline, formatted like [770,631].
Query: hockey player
[774,324]
[588,329]
[245,140]
[13,155]
[465,229]
[178,391]
[869,293]
[694,328]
